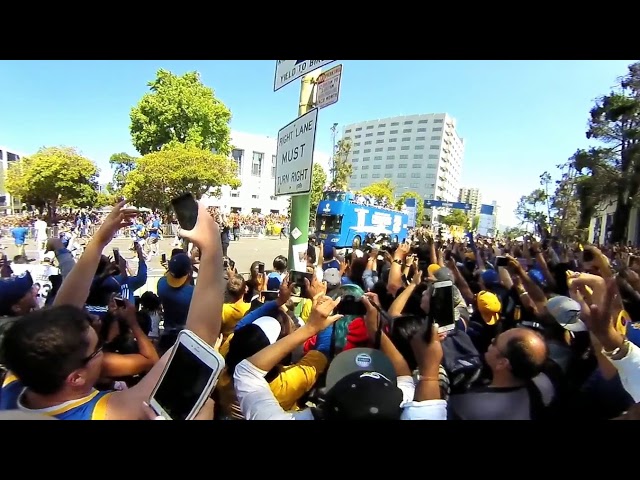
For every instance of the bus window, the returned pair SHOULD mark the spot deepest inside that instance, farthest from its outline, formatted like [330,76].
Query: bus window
[329,224]
[334,196]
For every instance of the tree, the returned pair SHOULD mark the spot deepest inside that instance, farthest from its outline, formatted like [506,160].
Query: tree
[615,165]
[528,209]
[176,169]
[122,164]
[380,190]
[52,177]
[457,218]
[566,205]
[475,222]
[104,199]
[180,109]
[318,183]
[419,205]
[514,232]
[341,170]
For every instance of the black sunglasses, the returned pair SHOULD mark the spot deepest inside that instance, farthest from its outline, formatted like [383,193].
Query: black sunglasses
[97,352]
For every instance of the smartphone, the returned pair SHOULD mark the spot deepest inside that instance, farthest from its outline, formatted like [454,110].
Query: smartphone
[261,268]
[225,263]
[587,256]
[188,378]
[119,302]
[186,208]
[116,256]
[163,258]
[297,278]
[441,308]
[502,261]
[269,295]
[447,255]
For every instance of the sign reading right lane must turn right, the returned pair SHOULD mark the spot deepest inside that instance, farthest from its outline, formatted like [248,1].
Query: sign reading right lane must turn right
[294,155]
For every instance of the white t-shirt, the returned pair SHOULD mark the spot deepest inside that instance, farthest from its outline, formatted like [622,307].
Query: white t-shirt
[41,229]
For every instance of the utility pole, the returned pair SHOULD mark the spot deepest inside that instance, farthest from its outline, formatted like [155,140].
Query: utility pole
[301,204]
[334,128]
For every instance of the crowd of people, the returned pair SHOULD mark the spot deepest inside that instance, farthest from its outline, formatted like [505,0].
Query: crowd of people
[466,329]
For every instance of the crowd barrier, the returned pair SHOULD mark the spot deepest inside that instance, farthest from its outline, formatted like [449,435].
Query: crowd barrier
[152,283]
[170,230]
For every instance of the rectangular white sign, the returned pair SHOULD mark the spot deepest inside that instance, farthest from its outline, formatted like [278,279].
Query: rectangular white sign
[288,70]
[294,155]
[329,86]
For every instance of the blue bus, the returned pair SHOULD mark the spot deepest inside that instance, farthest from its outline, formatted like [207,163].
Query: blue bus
[343,223]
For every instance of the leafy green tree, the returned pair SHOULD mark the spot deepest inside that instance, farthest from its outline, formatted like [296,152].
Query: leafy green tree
[122,164]
[53,177]
[419,205]
[380,190]
[180,109]
[475,223]
[457,218]
[529,209]
[318,183]
[104,199]
[341,170]
[613,166]
[176,169]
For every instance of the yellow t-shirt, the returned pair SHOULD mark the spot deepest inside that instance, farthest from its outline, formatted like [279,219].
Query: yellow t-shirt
[232,313]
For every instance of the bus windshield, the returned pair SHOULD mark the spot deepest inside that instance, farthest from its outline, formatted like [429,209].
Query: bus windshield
[329,223]
[335,196]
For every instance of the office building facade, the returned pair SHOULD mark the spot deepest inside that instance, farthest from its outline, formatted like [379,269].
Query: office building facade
[472,196]
[8,204]
[420,153]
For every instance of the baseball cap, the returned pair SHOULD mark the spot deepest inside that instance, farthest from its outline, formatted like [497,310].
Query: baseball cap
[443,274]
[432,269]
[489,307]
[178,270]
[332,277]
[490,277]
[361,385]
[273,281]
[566,311]
[12,290]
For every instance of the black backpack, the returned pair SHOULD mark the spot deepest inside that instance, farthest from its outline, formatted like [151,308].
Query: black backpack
[461,361]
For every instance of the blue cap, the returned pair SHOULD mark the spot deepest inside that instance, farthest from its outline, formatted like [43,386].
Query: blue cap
[12,290]
[273,281]
[490,277]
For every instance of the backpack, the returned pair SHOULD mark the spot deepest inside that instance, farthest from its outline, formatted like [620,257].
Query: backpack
[461,361]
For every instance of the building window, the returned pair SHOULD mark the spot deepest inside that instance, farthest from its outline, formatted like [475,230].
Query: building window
[379,141]
[347,131]
[380,134]
[369,127]
[256,164]
[273,166]
[406,139]
[382,125]
[437,129]
[388,165]
[416,165]
[367,150]
[369,135]
[358,129]
[394,124]
[375,175]
[406,130]
[402,175]
[393,132]
[419,147]
[421,129]
[238,155]
[408,122]
[437,137]
[393,140]
[438,120]
[418,156]
[379,149]
[368,142]
[255,197]
[423,121]
[387,175]
[420,139]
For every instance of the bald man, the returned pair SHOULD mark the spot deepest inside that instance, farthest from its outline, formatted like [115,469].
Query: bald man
[517,390]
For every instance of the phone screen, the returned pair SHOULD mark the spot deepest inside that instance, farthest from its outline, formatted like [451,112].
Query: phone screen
[163,259]
[269,295]
[502,261]
[441,306]
[116,255]
[119,302]
[183,383]
[261,268]
[297,278]
[186,209]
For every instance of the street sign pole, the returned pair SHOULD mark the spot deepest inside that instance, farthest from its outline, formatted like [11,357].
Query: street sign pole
[301,204]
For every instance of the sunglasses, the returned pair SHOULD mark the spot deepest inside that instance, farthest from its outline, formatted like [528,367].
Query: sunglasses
[97,352]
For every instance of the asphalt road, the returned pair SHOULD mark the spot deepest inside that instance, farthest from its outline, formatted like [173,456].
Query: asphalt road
[243,252]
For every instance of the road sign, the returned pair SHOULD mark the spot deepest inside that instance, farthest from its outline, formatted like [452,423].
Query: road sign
[294,155]
[486,209]
[329,86]
[443,204]
[288,70]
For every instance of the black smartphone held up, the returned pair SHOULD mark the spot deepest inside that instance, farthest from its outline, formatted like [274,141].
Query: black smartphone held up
[297,278]
[261,268]
[163,258]
[186,208]
[502,262]
[119,302]
[441,308]
[587,256]
[269,295]
[225,263]
[116,256]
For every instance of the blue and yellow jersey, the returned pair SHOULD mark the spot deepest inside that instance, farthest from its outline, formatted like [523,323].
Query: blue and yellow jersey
[91,407]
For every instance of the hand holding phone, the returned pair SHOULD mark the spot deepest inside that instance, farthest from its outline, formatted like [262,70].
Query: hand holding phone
[188,379]
[195,222]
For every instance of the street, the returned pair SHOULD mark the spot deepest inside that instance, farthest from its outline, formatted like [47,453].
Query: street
[243,252]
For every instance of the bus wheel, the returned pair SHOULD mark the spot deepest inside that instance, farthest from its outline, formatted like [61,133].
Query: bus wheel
[357,241]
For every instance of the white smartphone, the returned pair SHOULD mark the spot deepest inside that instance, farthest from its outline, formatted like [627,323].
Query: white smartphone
[188,378]
[441,306]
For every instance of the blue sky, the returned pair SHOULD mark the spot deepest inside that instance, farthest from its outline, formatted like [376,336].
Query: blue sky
[518,118]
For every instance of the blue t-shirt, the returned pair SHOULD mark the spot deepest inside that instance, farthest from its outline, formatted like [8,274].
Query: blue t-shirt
[19,235]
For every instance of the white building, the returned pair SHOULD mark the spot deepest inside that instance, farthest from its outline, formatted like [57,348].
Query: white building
[8,205]
[472,196]
[488,223]
[421,153]
[602,222]
[255,156]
